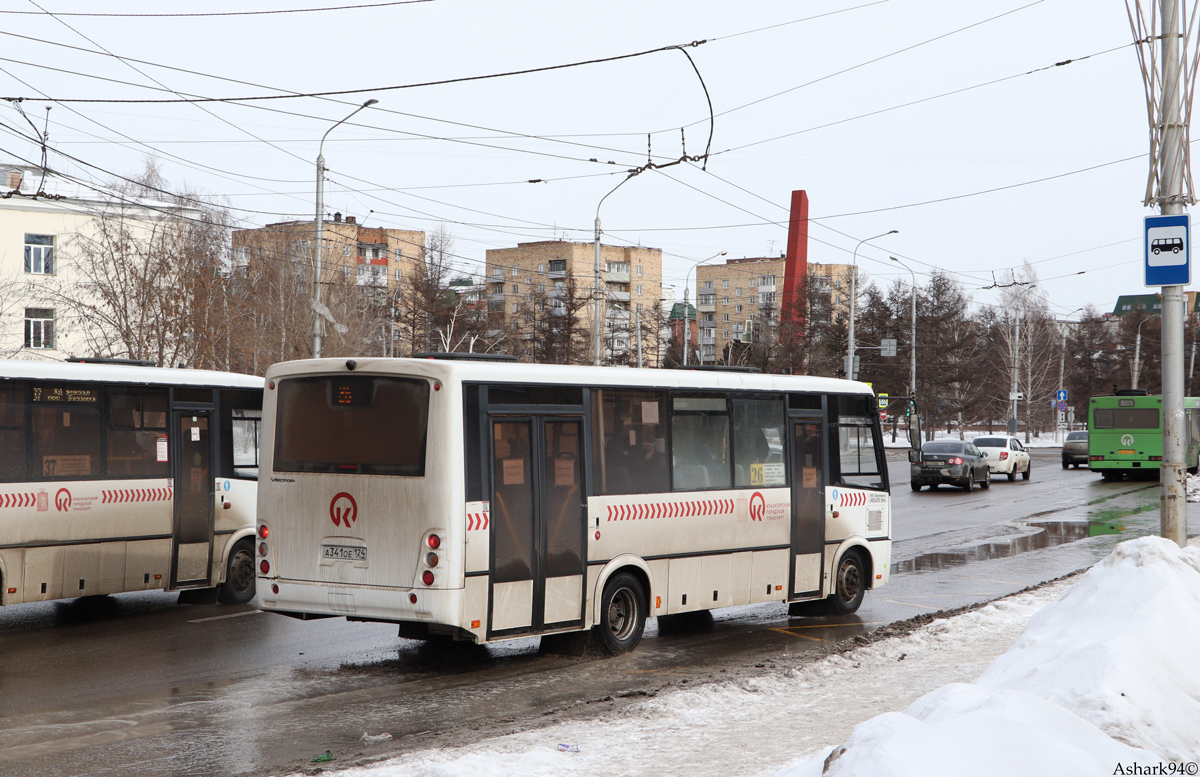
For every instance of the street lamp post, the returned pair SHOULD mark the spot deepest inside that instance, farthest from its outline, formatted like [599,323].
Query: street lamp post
[912,376]
[599,292]
[854,300]
[1062,364]
[316,334]
[1137,354]
[687,316]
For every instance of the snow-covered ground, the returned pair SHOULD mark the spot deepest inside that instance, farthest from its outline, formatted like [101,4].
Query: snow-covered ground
[1104,674]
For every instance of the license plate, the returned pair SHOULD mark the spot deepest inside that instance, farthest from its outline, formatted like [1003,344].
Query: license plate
[344,552]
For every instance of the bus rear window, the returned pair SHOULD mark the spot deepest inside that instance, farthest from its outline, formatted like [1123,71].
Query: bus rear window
[1125,418]
[353,424]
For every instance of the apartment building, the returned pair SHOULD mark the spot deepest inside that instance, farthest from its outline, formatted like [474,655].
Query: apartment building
[353,253]
[46,219]
[741,299]
[531,274]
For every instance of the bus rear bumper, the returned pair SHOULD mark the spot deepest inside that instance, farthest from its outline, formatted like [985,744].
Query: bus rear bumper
[307,599]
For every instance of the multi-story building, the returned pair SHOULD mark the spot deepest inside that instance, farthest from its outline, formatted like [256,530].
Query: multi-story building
[542,273]
[47,221]
[375,260]
[737,299]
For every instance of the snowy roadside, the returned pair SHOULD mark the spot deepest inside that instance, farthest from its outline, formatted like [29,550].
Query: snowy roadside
[1035,441]
[750,726]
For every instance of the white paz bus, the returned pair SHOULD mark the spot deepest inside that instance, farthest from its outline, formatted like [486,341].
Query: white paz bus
[484,500]
[117,478]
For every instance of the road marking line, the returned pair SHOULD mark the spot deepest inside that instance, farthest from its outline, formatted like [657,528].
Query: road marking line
[801,636]
[836,625]
[910,604]
[223,617]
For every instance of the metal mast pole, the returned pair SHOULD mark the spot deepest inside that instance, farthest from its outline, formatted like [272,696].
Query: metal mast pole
[854,302]
[1173,476]
[597,300]
[912,378]
[317,317]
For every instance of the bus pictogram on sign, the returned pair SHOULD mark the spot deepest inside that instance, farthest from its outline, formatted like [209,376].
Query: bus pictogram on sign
[343,510]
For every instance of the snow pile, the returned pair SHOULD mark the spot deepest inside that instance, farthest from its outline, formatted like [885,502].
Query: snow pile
[1105,676]
[1193,488]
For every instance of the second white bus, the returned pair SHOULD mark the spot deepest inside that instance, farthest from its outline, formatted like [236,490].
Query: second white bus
[484,501]
[118,478]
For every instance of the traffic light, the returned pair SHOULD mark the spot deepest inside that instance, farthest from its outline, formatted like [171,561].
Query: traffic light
[756,331]
[908,409]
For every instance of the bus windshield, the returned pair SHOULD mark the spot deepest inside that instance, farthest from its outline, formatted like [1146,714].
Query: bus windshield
[355,424]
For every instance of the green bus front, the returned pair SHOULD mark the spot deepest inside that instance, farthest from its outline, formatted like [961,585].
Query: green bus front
[1125,434]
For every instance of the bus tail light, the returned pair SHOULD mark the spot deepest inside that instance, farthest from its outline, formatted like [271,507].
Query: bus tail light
[1156,458]
[264,566]
[1096,458]
[434,541]
[431,559]
[263,531]
[426,577]
[262,548]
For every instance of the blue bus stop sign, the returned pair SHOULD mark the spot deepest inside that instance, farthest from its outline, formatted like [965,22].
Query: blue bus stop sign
[1168,250]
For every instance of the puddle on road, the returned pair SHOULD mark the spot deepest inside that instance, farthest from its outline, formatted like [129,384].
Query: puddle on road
[1048,534]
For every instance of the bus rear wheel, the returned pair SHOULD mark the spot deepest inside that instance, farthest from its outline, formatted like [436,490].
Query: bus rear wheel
[851,584]
[622,614]
[238,587]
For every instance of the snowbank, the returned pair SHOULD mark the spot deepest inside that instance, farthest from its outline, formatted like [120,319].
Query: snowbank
[1036,441]
[1105,676]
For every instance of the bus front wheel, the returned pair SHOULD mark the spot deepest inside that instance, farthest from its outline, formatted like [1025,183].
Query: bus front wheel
[622,614]
[238,587]
[851,582]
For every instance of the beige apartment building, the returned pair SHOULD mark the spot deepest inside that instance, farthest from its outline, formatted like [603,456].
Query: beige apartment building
[352,253]
[538,274]
[734,298]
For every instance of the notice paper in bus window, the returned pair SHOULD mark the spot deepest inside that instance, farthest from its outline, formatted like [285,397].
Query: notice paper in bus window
[564,472]
[161,449]
[514,472]
[773,474]
[64,466]
[810,477]
[650,412]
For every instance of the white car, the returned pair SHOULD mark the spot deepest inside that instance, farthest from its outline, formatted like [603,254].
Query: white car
[1005,455]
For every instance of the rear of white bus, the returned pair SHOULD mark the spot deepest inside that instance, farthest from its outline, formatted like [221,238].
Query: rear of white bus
[350,522]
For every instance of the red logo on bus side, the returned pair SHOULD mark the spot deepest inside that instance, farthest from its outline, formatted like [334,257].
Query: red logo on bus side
[343,509]
[62,500]
[758,506]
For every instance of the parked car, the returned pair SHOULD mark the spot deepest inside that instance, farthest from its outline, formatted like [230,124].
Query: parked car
[1005,455]
[952,462]
[1075,449]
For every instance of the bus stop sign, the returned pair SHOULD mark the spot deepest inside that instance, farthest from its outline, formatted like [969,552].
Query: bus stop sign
[1168,250]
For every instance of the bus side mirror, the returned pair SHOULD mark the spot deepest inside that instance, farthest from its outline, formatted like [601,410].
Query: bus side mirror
[914,456]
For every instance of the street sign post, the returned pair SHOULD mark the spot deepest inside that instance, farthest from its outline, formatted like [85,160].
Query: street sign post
[887,347]
[884,401]
[1167,250]
[1062,395]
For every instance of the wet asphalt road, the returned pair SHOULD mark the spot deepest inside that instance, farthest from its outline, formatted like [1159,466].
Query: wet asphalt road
[140,684]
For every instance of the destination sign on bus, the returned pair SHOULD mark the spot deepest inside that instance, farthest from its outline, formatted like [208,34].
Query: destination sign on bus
[68,394]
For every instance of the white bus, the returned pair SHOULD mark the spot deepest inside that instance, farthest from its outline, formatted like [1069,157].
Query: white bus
[487,500]
[116,478]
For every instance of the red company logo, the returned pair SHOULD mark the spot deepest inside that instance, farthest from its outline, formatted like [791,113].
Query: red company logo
[62,500]
[758,506]
[343,509]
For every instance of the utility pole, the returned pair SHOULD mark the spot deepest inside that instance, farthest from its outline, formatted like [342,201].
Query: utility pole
[1169,76]
[598,299]
[1016,358]
[850,345]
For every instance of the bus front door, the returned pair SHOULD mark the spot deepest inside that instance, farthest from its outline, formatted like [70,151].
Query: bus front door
[192,532]
[538,521]
[808,507]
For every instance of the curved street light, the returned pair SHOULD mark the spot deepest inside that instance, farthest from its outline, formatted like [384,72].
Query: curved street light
[854,300]
[316,304]
[912,346]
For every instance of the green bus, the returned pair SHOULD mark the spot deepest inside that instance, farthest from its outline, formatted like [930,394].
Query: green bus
[1125,435]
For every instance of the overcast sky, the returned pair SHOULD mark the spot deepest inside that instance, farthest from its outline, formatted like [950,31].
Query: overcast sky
[890,113]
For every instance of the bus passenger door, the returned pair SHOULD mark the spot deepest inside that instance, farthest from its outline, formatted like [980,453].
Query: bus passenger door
[808,507]
[192,532]
[537,524]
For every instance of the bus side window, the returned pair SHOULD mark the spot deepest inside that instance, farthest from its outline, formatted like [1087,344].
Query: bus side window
[758,442]
[629,442]
[13,466]
[700,442]
[857,459]
[66,439]
[137,420]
